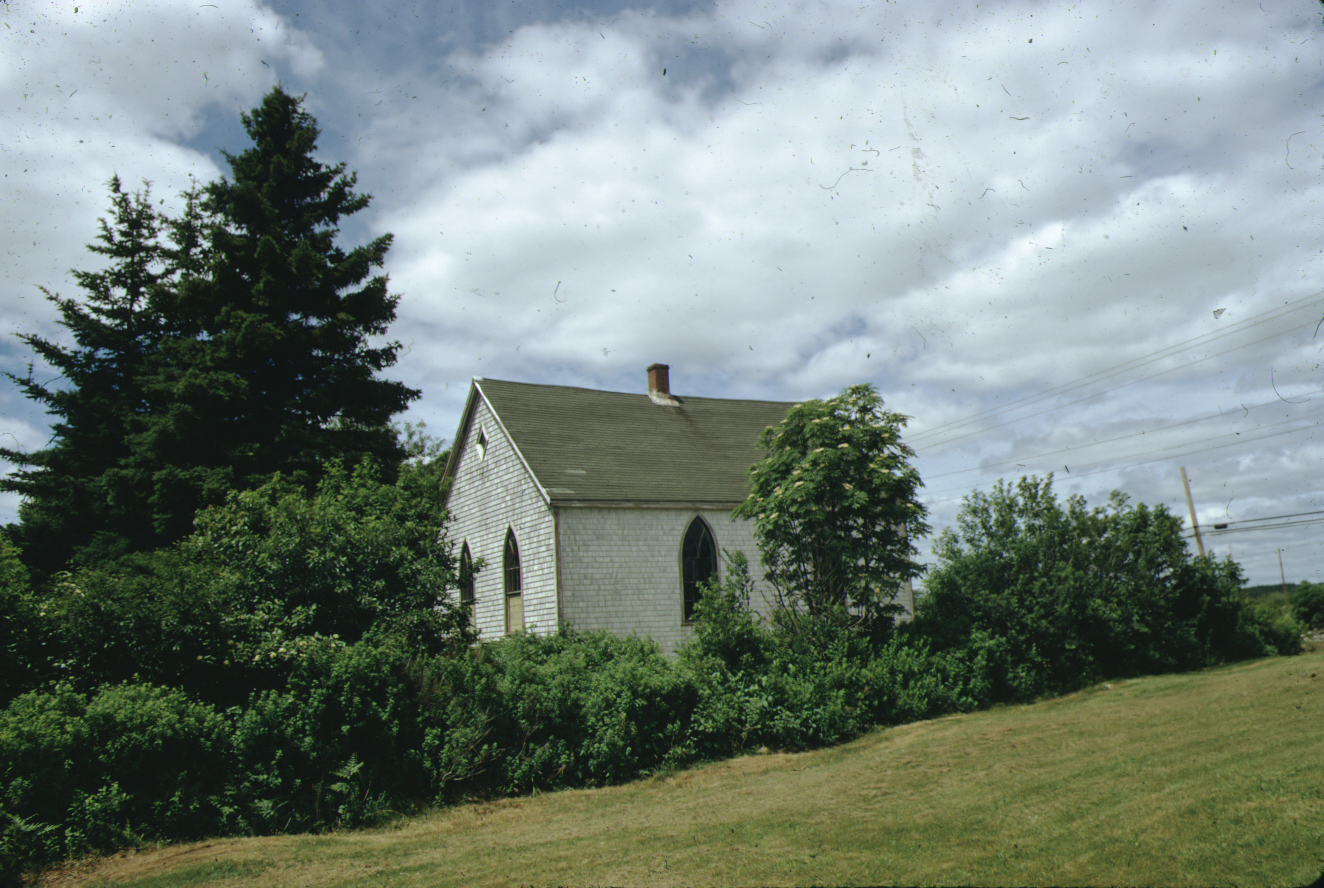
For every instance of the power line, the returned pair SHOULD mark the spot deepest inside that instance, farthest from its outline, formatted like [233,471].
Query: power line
[1135,363]
[1110,466]
[1082,447]
[1158,354]
[987,428]
[1233,530]
[1225,524]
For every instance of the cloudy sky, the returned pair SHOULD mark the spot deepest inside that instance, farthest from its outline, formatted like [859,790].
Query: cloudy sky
[1081,238]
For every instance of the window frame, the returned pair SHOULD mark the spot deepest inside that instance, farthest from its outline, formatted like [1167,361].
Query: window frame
[509,548]
[467,590]
[688,602]
[511,568]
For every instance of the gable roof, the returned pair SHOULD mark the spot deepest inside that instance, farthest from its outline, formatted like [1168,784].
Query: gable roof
[589,446]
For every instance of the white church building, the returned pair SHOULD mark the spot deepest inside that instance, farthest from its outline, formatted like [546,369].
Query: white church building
[604,510]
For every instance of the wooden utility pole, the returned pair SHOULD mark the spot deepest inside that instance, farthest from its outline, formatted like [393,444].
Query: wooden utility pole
[1282,576]
[1195,525]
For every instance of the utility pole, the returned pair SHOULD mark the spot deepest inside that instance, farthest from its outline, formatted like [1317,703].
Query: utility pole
[1195,525]
[1282,576]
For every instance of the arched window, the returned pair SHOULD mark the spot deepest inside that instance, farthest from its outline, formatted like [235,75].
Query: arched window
[513,584]
[698,562]
[466,577]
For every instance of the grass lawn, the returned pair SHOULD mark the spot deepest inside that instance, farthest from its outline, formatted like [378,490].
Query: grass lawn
[1208,778]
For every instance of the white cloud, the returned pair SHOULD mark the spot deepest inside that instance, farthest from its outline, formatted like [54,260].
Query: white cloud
[949,206]
[97,88]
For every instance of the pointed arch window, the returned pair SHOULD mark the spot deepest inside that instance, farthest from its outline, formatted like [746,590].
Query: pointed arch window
[698,562]
[514,584]
[510,565]
[466,577]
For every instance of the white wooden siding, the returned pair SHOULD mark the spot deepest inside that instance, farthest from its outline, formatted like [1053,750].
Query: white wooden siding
[487,496]
[620,568]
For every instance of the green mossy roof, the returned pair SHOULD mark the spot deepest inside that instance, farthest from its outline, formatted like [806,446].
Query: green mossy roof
[587,445]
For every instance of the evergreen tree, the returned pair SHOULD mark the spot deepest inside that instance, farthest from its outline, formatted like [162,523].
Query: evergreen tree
[235,347]
[74,497]
[272,368]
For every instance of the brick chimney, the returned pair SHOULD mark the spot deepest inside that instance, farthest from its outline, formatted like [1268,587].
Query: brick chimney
[659,386]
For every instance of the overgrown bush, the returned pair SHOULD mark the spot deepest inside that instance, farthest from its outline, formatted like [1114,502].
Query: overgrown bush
[20,638]
[339,745]
[151,616]
[1308,604]
[1054,596]
[268,575]
[131,763]
[808,680]
[530,713]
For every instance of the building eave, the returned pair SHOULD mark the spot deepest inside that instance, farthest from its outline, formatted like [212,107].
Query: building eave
[642,504]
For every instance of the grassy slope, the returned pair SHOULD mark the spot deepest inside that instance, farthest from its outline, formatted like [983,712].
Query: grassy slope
[1208,778]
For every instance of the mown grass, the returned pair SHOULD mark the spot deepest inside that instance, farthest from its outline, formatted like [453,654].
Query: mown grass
[1207,778]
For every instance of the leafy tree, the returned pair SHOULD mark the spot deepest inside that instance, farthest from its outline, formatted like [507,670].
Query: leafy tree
[265,578]
[273,369]
[1056,595]
[835,507]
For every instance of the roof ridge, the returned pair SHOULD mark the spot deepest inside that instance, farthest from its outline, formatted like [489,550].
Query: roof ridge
[643,395]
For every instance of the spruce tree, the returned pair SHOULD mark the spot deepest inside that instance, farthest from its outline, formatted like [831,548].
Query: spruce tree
[239,345]
[271,367]
[74,495]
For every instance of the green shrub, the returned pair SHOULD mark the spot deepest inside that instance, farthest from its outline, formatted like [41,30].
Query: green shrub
[333,564]
[540,712]
[1308,604]
[1055,596]
[907,682]
[269,574]
[725,629]
[808,680]
[1275,624]
[338,746]
[150,616]
[20,635]
[133,762]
